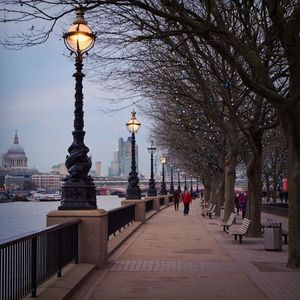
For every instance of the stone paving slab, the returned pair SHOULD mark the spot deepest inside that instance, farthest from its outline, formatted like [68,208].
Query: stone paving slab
[181,257]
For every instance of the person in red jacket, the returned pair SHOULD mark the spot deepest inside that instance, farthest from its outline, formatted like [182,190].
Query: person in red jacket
[186,199]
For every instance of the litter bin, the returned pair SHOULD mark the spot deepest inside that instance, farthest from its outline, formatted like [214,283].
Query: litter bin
[272,236]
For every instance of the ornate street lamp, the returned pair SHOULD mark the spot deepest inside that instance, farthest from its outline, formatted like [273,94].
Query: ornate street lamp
[178,185]
[78,189]
[152,190]
[163,190]
[133,190]
[171,184]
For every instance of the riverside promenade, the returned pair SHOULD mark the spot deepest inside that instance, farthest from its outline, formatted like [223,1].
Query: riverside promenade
[173,256]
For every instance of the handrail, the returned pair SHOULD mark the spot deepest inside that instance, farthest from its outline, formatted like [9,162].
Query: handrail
[30,234]
[30,260]
[119,218]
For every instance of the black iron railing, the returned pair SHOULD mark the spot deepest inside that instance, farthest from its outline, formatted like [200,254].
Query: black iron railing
[161,201]
[120,217]
[149,205]
[29,260]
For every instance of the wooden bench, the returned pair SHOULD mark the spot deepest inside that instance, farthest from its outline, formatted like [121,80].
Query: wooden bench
[211,211]
[205,210]
[241,231]
[229,222]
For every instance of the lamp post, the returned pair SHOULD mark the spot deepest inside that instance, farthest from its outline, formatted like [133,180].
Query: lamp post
[191,189]
[133,190]
[178,185]
[152,190]
[171,184]
[197,189]
[78,189]
[163,190]
[185,186]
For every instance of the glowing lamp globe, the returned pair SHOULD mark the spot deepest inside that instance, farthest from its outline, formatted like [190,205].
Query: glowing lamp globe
[79,37]
[133,124]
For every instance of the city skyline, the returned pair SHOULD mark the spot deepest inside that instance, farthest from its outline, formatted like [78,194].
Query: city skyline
[37,97]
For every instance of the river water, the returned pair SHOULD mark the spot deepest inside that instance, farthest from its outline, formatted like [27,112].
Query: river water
[20,217]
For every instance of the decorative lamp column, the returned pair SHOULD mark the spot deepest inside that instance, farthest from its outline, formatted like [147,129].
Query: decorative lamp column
[185,186]
[171,184]
[78,189]
[133,190]
[163,190]
[178,185]
[197,189]
[152,190]
[191,190]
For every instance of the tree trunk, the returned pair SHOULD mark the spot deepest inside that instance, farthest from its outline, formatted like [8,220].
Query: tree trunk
[254,171]
[219,192]
[229,193]
[293,124]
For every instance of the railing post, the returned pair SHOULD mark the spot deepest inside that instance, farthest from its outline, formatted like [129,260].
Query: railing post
[33,266]
[140,208]
[59,253]
[92,233]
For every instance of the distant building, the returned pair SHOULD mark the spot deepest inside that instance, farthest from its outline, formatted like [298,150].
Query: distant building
[47,181]
[59,169]
[121,164]
[14,170]
[98,168]
[18,182]
[15,158]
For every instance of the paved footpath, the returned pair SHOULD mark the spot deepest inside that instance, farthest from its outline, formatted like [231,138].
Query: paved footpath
[189,257]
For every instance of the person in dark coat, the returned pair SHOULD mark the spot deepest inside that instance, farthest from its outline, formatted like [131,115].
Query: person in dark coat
[243,203]
[176,197]
[237,203]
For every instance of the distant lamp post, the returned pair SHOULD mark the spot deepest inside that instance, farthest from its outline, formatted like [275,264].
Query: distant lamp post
[133,190]
[197,189]
[163,190]
[178,185]
[78,189]
[191,189]
[152,190]
[171,184]
[185,186]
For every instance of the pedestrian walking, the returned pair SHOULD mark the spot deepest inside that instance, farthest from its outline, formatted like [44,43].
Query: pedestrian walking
[176,197]
[186,199]
[243,203]
[237,203]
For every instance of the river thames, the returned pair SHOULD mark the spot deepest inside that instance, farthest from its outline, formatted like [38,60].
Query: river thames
[20,217]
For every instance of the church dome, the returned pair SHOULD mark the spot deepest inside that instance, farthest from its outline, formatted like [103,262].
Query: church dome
[16,148]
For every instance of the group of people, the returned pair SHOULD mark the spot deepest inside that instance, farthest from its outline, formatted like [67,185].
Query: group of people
[241,202]
[186,199]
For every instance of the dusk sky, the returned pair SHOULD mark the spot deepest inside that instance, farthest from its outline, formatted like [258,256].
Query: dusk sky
[37,100]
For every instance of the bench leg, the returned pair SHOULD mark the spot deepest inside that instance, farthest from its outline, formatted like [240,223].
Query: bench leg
[235,237]
[285,239]
[240,239]
[209,214]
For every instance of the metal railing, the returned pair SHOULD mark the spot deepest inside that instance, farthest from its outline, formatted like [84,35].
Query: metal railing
[119,218]
[149,205]
[161,201]
[29,260]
